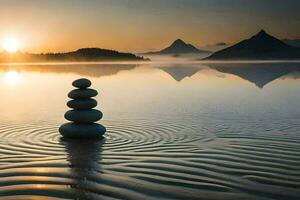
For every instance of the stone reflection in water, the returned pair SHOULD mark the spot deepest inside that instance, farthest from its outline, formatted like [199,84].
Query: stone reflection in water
[84,157]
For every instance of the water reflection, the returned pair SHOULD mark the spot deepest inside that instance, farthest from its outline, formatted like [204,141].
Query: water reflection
[91,70]
[11,78]
[260,74]
[167,137]
[293,75]
[84,157]
[179,72]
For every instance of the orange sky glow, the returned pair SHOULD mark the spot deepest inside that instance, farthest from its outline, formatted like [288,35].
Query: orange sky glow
[138,25]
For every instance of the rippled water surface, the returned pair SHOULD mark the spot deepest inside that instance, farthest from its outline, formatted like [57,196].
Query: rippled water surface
[175,131]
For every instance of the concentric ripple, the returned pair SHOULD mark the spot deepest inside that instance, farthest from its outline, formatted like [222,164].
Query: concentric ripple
[151,159]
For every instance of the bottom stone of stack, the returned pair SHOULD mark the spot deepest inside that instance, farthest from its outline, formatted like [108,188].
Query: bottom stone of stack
[74,130]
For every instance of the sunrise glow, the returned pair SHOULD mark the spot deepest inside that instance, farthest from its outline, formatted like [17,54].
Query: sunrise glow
[11,44]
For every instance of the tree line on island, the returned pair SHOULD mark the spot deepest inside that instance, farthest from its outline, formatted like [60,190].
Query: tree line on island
[83,54]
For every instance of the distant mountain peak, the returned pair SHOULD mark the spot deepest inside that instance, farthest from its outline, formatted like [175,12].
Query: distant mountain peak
[179,47]
[179,42]
[261,46]
[261,35]
[262,32]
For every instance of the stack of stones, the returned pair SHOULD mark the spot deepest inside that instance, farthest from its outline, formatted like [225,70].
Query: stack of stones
[82,115]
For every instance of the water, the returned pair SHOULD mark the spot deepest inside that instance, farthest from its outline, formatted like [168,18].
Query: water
[175,131]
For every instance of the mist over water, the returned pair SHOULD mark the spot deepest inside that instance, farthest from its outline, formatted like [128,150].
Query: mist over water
[176,130]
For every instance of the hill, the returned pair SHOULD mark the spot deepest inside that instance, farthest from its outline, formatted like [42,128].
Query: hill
[261,46]
[179,47]
[84,54]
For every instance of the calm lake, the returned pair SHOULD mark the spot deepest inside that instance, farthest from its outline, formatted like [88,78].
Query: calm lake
[175,131]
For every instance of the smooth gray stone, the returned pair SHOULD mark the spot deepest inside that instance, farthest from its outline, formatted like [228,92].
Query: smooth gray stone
[73,130]
[82,93]
[81,104]
[82,83]
[83,116]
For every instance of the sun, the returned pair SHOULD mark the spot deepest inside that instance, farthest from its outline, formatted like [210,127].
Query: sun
[11,45]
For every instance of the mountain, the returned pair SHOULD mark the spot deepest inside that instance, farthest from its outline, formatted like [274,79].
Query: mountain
[292,42]
[261,46]
[179,47]
[84,54]
[258,73]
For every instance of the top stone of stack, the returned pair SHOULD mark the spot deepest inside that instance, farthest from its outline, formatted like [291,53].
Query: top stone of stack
[82,83]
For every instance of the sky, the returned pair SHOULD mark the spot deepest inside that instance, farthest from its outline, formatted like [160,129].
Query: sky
[142,25]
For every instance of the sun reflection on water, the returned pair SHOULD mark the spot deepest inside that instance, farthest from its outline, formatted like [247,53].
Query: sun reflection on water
[12,78]
[39,186]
